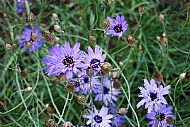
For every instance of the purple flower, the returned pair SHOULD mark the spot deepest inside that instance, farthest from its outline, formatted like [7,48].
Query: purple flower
[21,1]
[152,95]
[19,8]
[117,120]
[108,93]
[95,59]
[99,118]
[117,26]
[162,117]
[65,60]
[87,84]
[27,38]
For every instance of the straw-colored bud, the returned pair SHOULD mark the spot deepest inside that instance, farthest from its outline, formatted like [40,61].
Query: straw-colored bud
[139,47]
[24,73]
[34,36]
[68,124]
[85,111]
[141,9]
[49,38]
[105,24]
[28,89]
[160,17]
[92,39]
[90,72]
[3,102]
[158,77]
[62,77]
[115,75]
[122,111]
[8,47]
[116,84]
[106,67]
[81,99]
[29,44]
[50,123]
[158,38]
[31,18]
[50,110]
[131,40]
[121,64]
[57,28]
[54,16]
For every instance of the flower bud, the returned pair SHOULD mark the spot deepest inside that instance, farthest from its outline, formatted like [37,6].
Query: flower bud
[131,40]
[24,73]
[3,102]
[34,36]
[92,39]
[81,99]
[90,72]
[116,84]
[122,111]
[141,9]
[62,77]
[57,28]
[115,75]
[50,123]
[158,77]
[28,89]
[29,44]
[106,67]
[49,38]
[121,64]
[105,24]
[170,120]
[70,87]
[187,76]
[31,18]
[85,111]
[139,47]
[158,38]
[160,17]
[8,47]
[54,80]
[50,110]
[68,124]
[54,16]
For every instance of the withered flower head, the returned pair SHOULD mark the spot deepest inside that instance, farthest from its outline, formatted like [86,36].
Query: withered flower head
[68,124]
[49,38]
[31,18]
[70,87]
[158,77]
[81,99]
[160,17]
[106,67]
[115,75]
[141,9]
[122,111]
[105,24]
[116,84]
[170,120]
[92,39]
[131,40]
[50,123]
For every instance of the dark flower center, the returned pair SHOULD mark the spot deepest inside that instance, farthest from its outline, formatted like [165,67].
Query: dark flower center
[118,28]
[95,63]
[77,84]
[98,119]
[106,90]
[86,79]
[153,96]
[162,117]
[68,61]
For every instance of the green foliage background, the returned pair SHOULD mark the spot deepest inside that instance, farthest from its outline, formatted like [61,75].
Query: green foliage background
[81,19]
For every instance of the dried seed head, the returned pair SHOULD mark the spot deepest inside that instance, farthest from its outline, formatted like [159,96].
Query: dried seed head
[187,76]
[8,47]
[54,80]
[141,9]
[169,120]
[121,64]
[50,123]
[131,40]
[85,111]
[163,41]
[70,87]
[115,75]
[90,72]
[34,36]
[49,38]
[24,73]
[28,89]
[122,111]
[50,110]
[158,77]
[29,44]
[68,124]
[57,28]
[109,2]
[62,77]
[116,84]
[92,39]
[31,18]
[160,17]
[139,47]
[54,16]
[81,99]
[106,67]
[158,38]
[105,24]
